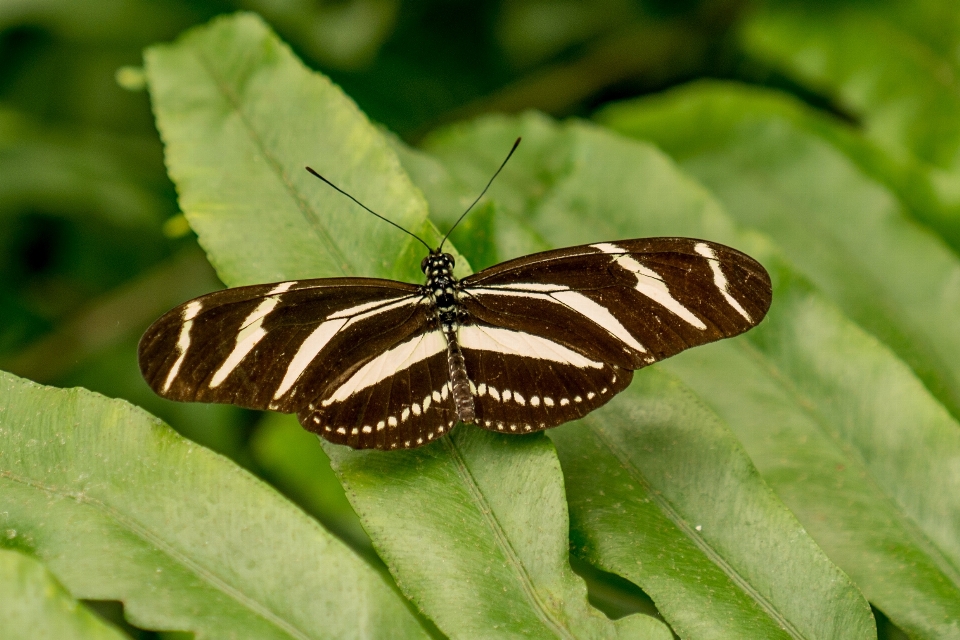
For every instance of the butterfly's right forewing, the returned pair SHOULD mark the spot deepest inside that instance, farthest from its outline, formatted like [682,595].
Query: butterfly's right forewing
[629,303]
[557,334]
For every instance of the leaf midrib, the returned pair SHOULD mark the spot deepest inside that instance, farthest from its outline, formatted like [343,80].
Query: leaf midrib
[144,533]
[306,210]
[852,454]
[503,541]
[681,523]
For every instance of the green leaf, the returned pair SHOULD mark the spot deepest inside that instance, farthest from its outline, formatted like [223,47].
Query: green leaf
[120,507]
[487,236]
[237,150]
[342,35]
[473,527]
[838,426]
[34,605]
[854,445]
[293,460]
[897,84]
[893,66]
[934,23]
[841,229]
[481,518]
[550,195]
[654,464]
[662,493]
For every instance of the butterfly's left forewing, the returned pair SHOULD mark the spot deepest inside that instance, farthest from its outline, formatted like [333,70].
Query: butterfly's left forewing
[275,346]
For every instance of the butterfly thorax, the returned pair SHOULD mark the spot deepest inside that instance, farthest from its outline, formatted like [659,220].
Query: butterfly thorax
[442,289]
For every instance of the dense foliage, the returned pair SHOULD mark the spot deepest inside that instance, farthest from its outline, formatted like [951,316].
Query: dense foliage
[801,481]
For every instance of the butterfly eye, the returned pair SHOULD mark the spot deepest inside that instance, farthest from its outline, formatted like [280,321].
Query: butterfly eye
[450,260]
[424,263]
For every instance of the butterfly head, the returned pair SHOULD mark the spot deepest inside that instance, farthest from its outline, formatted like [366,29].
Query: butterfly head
[437,264]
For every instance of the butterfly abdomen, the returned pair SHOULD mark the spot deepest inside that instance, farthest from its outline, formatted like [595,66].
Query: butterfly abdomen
[462,394]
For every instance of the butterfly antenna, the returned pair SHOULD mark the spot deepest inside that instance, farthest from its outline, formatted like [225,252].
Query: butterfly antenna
[464,214]
[368,208]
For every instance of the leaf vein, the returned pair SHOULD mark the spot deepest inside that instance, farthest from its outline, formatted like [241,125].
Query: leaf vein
[149,537]
[681,523]
[503,541]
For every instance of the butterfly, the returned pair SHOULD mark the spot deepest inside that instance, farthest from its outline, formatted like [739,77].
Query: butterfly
[519,347]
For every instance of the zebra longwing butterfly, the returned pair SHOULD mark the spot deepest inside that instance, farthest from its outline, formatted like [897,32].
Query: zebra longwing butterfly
[519,347]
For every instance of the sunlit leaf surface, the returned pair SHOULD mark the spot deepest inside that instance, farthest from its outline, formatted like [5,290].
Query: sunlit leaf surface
[119,507]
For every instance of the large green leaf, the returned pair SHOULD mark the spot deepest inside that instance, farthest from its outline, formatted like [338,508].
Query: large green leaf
[892,65]
[480,518]
[240,122]
[844,231]
[661,493]
[837,425]
[854,445]
[120,507]
[34,605]
[651,467]
[292,459]
[473,527]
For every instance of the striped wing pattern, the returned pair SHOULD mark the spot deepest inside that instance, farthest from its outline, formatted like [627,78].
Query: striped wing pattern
[545,339]
[275,346]
[400,399]
[516,393]
[617,306]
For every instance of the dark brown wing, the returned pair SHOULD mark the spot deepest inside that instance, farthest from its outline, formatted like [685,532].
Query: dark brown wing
[523,383]
[277,346]
[573,323]
[399,399]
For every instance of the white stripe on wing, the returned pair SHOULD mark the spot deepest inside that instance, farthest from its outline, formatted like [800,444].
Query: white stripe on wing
[322,335]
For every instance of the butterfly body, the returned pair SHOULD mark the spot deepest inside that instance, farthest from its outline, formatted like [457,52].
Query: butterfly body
[516,348]
[443,290]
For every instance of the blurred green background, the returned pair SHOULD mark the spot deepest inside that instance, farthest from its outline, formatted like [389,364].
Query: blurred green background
[92,248]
